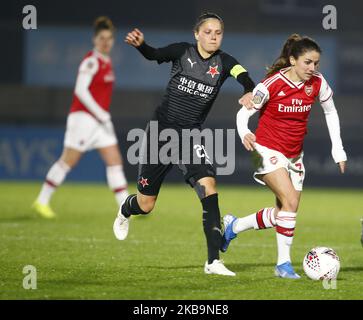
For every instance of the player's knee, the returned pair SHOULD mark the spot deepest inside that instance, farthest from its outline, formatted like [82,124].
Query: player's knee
[70,164]
[290,204]
[205,188]
[70,160]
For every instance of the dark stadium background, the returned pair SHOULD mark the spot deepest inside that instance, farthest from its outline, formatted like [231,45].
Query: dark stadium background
[38,70]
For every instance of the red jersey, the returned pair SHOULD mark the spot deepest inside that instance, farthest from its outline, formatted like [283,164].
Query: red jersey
[99,67]
[285,108]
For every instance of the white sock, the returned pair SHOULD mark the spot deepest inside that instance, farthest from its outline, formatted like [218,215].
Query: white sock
[54,178]
[262,219]
[117,182]
[285,227]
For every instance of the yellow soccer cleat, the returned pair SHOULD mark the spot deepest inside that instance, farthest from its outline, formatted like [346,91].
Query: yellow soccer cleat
[44,210]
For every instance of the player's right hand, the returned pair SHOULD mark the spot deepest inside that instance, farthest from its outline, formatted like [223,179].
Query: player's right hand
[103,116]
[246,101]
[135,38]
[249,141]
[342,166]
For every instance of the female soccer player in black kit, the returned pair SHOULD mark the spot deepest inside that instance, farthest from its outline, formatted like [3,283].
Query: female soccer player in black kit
[198,72]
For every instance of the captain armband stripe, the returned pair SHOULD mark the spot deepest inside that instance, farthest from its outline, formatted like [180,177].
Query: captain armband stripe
[237,70]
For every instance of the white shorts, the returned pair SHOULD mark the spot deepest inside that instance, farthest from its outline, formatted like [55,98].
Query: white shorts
[85,133]
[267,160]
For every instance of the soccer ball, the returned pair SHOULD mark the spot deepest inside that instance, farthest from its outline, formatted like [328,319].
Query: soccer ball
[321,263]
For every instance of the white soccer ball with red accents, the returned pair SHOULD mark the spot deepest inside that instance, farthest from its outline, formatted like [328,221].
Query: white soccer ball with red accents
[321,263]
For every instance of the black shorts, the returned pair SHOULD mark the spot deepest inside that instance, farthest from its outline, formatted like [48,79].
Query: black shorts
[157,158]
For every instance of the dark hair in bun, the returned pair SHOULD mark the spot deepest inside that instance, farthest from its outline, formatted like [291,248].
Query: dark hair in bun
[103,23]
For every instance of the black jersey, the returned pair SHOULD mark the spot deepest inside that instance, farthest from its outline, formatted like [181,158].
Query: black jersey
[194,83]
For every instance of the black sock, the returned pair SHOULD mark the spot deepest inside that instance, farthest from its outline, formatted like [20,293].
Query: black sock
[212,226]
[131,206]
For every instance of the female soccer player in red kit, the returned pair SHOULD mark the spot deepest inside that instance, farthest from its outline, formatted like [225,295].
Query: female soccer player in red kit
[284,100]
[89,123]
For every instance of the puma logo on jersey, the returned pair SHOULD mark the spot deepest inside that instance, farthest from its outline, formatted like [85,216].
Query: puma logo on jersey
[191,63]
[281,94]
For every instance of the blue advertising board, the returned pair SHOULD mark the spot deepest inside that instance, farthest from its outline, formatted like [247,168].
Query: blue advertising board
[26,153]
[53,54]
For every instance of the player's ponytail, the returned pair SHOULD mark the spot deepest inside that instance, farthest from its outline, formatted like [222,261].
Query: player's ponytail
[283,60]
[103,23]
[294,46]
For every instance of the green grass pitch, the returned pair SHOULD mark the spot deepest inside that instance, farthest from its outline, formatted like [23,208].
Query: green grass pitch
[77,257]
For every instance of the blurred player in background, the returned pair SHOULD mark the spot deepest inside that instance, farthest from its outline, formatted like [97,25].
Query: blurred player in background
[89,123]
[198,72]
[284,100]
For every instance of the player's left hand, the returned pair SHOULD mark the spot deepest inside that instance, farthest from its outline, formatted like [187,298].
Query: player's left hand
[249,141]
[342,166]
[246,100]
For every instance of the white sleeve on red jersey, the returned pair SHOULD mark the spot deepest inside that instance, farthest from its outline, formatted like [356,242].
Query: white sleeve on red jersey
[87,70]
[325,91]
[332,121]
[260,96]
[89,65]
[243,116]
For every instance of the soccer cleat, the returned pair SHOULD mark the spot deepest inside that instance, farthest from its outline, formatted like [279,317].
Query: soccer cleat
[44,210]
[286,270]
[121,226]
[228,234]
[217,267]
